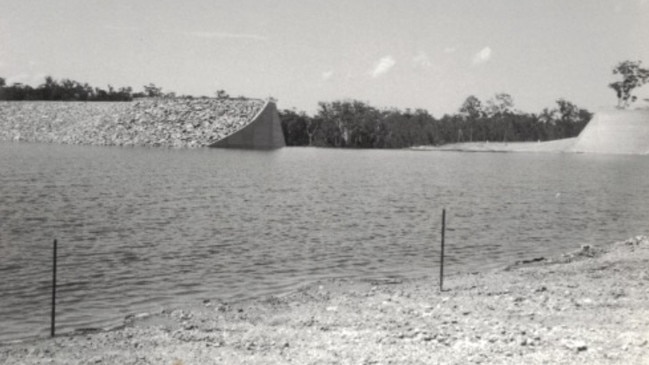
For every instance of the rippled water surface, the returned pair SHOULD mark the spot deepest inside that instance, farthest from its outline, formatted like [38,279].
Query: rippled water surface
[141,229]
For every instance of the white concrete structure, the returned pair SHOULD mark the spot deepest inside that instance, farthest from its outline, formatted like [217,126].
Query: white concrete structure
[615,132]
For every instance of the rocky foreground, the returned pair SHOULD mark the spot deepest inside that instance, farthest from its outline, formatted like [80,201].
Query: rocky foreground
[165,122]
[587,307]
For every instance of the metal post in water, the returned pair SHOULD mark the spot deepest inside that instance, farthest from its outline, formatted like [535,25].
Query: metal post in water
[53,290]
[441,261]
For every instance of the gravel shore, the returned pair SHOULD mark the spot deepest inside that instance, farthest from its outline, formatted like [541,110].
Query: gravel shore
[590,306]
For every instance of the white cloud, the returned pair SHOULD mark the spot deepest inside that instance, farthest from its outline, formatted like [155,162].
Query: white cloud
[449,50]
[483,56]
[327,75]
[422,60]
[225,35]
[382,66]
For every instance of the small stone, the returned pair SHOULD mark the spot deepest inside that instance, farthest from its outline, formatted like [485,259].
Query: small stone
[577,346]
[428,337]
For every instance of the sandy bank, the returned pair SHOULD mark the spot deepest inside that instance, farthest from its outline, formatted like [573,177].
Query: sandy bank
[560,145]
[587,307]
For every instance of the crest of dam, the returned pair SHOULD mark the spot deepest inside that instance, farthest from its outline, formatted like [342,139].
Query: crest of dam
[164,122]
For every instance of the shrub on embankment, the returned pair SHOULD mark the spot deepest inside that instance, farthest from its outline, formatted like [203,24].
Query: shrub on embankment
[144,122]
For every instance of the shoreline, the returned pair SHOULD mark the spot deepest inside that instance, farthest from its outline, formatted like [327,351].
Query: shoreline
[553,146]
[588,306]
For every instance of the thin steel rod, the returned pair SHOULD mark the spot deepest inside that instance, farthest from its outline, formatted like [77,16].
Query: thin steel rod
[53,291]
[441,261]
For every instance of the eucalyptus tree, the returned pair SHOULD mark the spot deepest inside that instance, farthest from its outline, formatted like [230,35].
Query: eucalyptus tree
[472,111]
[153,91]
[633,77]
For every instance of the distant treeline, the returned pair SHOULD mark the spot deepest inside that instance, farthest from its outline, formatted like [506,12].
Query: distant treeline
[355,124]
[70,90]
[64,90]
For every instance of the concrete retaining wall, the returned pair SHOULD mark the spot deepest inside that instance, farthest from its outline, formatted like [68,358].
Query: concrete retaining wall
[263,132]
[144,122]
[615,132]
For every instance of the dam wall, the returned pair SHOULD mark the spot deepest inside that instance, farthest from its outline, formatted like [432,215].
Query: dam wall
[615,132]
[166,122]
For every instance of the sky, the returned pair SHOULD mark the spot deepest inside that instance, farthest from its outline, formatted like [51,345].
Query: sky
[428,54]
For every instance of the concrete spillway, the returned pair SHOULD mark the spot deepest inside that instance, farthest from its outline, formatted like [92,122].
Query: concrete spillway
[263,132]
[615,132]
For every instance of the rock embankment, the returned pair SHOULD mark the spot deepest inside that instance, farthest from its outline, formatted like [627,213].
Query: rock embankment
[587,307]
[144,122]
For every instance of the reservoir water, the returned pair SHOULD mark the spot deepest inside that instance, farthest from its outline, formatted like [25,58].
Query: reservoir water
[140,229]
